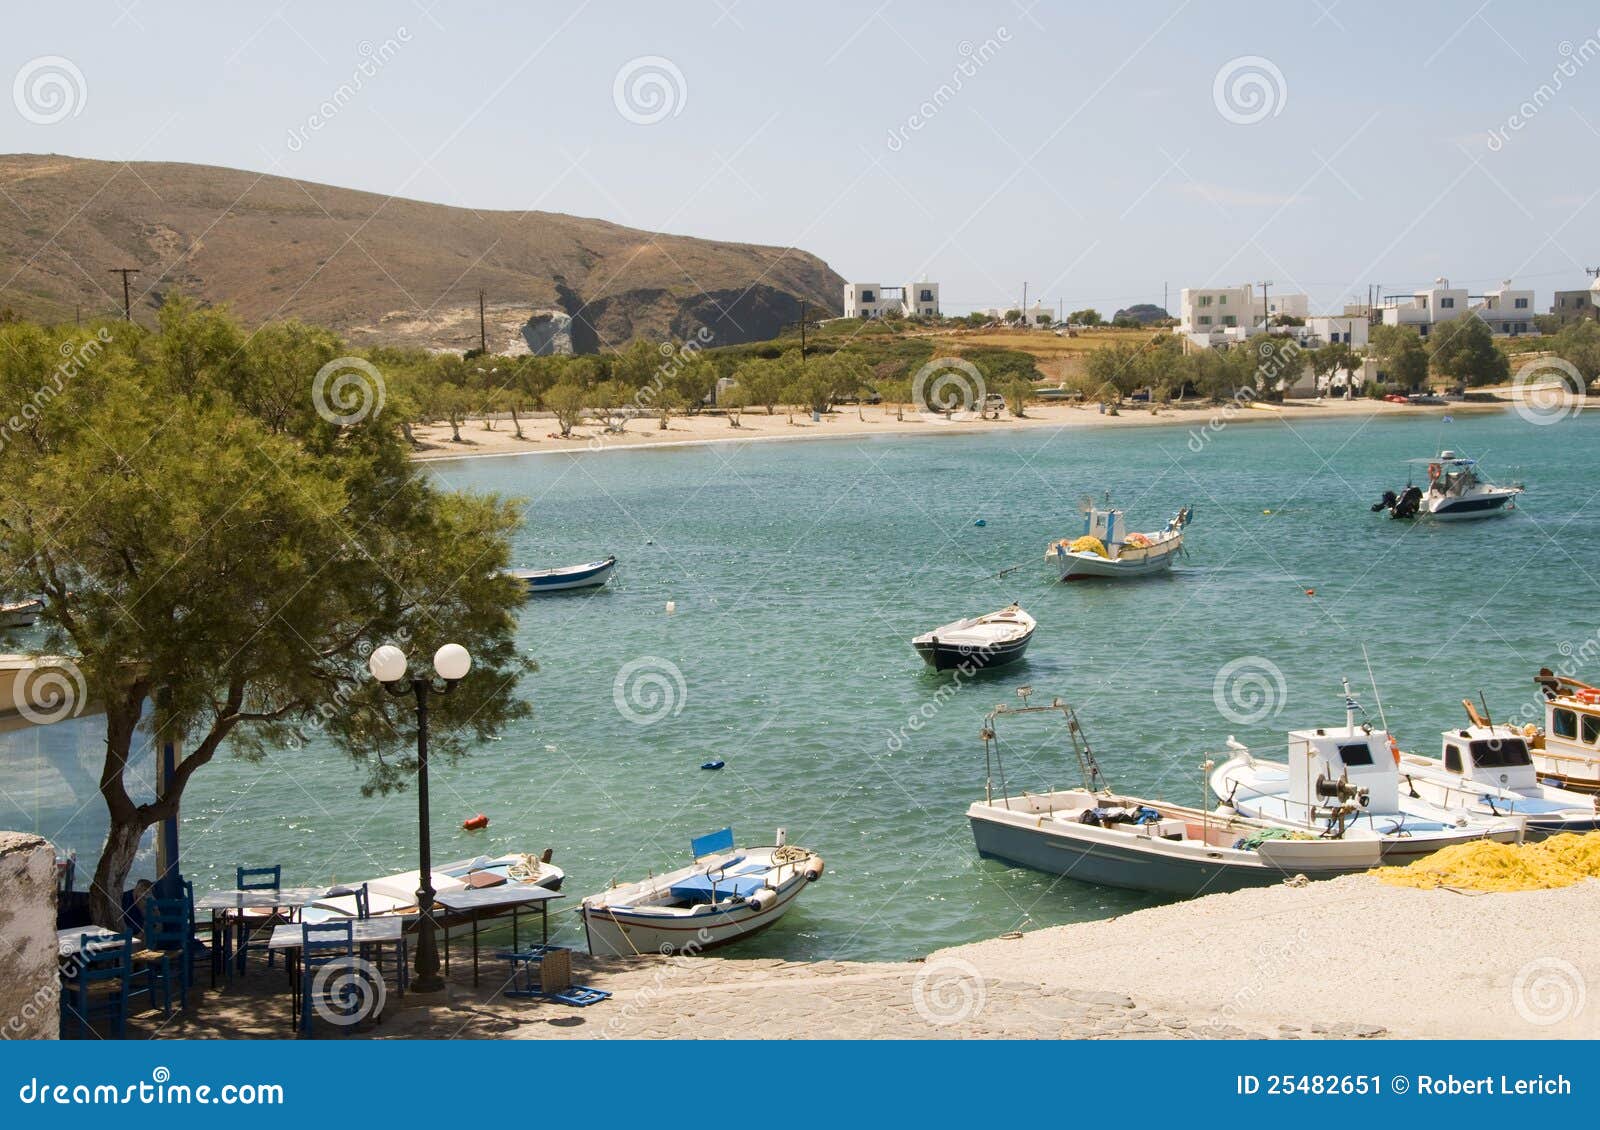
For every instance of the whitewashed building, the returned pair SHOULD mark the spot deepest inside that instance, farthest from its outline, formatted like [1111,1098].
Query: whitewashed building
[1338,329]
[873,300]
[1507,312]
[1202,310]
[1424,309]
[1288,305]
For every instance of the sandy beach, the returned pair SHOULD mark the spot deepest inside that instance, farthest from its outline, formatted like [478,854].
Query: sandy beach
[1352,958]
[846,422]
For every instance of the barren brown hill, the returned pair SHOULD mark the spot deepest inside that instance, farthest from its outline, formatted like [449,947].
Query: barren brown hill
[376,268]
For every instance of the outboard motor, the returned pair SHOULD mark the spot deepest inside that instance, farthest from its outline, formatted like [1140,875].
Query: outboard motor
[1386,502]
[1409,502]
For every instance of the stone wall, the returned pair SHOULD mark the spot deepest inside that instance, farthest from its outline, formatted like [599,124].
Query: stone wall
[29,987]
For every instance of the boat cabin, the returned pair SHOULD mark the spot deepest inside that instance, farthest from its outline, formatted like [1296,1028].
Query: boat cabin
[1107,525]
[1490,756]
[1355,754]
[1572,724]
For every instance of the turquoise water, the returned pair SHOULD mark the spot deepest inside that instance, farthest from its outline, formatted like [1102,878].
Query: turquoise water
[800,571]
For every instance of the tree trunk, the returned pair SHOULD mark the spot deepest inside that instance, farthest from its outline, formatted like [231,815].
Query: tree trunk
[516,422]
[405,430]
[455,430]
[111,873]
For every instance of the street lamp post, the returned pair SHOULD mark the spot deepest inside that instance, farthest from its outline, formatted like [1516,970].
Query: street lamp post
[388,665]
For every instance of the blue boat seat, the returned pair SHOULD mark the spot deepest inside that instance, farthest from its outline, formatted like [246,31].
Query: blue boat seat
[699,888]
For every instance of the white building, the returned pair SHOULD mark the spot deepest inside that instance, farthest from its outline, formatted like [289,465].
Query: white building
[872,300]
[1338,329]
[1424,309]
[1288,305]
[1202,310]
[1507,311]
[1571,304]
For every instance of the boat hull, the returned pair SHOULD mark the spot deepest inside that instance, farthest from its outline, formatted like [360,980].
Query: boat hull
[22,615]
[1155,867]
[1084,566]
[618,932]
[565,580]
[1467,509]
[950,657]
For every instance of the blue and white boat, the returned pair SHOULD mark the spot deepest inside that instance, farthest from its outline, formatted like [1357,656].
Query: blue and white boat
[1455,492]
[1107,548]
[587,576]
[726,895]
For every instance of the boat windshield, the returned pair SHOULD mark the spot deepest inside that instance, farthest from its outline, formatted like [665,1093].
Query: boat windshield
[1500,753]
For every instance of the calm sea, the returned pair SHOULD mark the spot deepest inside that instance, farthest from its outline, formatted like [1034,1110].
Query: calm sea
[799,572]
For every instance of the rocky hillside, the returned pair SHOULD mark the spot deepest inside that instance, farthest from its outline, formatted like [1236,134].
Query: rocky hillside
[375,268]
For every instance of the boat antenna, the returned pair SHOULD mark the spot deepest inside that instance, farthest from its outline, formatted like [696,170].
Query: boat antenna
[1487,721]
[1376,697]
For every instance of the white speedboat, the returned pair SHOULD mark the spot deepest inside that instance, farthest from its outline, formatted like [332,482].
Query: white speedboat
[978,641]
[726,895]
[1106,548]
[1566,752]
[1344,783]
[20,613]
[1487,770]
[587,576]
[1454,492]
[1096,836]
[397,894]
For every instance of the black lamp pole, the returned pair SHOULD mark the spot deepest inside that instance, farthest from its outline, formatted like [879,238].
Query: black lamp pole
[427,979]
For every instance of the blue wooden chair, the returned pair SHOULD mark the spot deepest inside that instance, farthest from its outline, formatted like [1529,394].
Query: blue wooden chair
[321,944]
[168,939]
[252,922]
[98,983]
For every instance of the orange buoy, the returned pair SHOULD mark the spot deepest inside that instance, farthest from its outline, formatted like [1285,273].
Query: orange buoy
[475,823]
[1311,592]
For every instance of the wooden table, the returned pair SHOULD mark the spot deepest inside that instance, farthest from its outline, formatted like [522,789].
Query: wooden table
[474,905]
[229,905]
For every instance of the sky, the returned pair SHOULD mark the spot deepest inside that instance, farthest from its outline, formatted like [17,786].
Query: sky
[1096,153]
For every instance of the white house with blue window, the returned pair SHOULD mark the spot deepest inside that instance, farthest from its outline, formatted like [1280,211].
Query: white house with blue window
[873,300]
[1338,329]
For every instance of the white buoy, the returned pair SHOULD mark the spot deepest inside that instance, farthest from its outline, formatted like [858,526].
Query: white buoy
[672,606]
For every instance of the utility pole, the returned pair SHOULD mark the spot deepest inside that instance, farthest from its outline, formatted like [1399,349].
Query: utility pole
[1266,311]
[802,331]
[483,332]
[127,302]
[1024,302]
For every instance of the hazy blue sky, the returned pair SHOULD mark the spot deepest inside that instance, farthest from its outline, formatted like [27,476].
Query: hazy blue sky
[1088,153]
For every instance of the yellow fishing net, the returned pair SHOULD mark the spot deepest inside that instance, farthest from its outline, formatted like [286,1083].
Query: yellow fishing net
[1090,544]
[1484,865]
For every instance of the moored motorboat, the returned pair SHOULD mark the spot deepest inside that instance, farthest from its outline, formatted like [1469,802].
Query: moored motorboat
[1106,548]
[1455,492]
[977,642]
[1488,770]
[1094,835]
[725,895]
[20,613]
[397,894]
[586,576]
[1344,782]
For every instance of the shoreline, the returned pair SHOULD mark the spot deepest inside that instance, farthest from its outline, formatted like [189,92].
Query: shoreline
[756,427]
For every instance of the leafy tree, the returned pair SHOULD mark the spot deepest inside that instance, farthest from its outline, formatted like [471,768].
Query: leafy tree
[1086,317]
[1013,315]
[567,400]
[1400,354]
[734,400]
[218,565]
[1463,350]
[1578,343]
[1017,390]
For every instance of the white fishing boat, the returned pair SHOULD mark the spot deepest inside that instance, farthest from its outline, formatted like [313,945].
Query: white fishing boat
[397,894]
[1566,751]
[1106,548]
[587,576]
[978,641]
[1455,492]
[1344,783]
[1488,770]
[727,894]
[1094,835]
[20,613]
